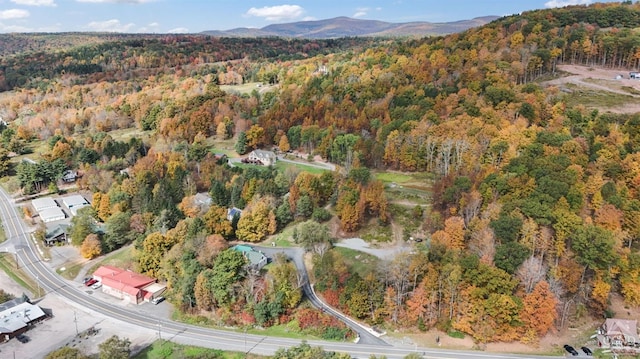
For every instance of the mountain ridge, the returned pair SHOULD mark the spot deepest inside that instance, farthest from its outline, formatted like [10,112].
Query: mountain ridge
[344,26]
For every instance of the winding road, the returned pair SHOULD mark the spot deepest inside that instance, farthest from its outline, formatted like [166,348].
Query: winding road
[20,244]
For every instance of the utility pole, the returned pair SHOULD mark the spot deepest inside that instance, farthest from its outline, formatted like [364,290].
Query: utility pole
[159,330]
[75,320]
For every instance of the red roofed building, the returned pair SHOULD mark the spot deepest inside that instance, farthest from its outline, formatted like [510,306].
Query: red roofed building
[128,285]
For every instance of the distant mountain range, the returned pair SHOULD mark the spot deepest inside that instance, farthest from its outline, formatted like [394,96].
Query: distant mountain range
[349,27]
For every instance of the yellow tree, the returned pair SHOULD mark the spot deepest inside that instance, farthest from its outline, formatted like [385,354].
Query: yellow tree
[257,221]
[255,136]
[91,247]
[284,144]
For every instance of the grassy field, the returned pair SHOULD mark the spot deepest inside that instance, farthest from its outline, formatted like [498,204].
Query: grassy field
[374,232]
[71,270]
[161,349]
[411,188]
[246,88]
[3,236]
[360,262]
[594,98]
[122,258]
[8,265]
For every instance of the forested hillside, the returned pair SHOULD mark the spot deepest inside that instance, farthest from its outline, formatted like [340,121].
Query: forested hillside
[535,214]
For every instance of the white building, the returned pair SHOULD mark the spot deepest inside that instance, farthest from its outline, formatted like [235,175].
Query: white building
[51,214]
[40,204]
[267,158]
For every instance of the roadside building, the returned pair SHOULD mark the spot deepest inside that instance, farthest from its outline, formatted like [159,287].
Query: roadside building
[618,333]
[17,316]
[128,285]
[56,234]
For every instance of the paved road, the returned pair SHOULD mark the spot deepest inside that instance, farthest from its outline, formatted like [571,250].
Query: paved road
[22,246]
[366,335]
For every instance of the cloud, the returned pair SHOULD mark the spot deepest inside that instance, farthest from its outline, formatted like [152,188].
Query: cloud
[178,30]
[563,3]
[277,13]
[35,2]
[112,25]
[116,1]
[13,14]
[361,11]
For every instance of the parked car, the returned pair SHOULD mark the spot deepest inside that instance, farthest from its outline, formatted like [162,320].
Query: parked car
[587,351]
[85,280]
[22,338]
[96,285]
[157,300]
[90,282]
[570,349]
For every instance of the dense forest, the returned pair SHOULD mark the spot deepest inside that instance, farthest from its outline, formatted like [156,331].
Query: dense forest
[535,212]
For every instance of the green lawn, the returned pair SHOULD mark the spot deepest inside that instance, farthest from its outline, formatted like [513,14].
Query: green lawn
[360,262]
[594,98]
[122,258]
[161,349]
[246,88]
[282,166]
[8,265]
[3,237]
[71,270]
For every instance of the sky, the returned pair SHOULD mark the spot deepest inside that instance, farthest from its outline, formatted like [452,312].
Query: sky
[193,16]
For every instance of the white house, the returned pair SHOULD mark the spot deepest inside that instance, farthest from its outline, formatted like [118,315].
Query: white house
[267,158]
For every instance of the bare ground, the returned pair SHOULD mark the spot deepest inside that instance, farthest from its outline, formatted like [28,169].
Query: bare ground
[602,79]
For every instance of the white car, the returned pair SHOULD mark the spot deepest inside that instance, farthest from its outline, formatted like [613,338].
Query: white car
[96,285]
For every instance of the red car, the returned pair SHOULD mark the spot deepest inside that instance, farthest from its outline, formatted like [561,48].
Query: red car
[90,282]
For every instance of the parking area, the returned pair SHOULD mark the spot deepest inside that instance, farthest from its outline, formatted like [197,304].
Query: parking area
[71,325]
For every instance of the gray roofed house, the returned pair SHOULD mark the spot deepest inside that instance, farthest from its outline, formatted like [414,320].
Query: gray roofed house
[256,259]
[267,158]
[56,234]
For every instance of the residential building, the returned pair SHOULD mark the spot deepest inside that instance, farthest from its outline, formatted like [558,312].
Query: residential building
[256,259]
[56,234]
[267,158]
[618,333]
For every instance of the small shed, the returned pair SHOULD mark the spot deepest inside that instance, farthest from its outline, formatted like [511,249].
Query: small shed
[40,204]
[51,215]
